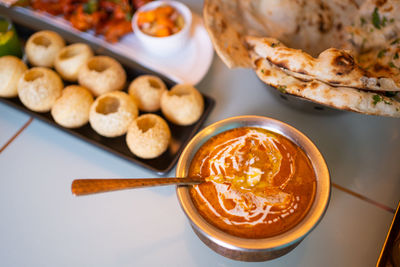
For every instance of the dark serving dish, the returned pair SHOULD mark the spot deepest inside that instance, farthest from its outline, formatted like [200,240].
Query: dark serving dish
[180,134]
[390,254]
[303,104]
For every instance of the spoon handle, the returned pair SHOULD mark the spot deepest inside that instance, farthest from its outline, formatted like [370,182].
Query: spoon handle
[81,187]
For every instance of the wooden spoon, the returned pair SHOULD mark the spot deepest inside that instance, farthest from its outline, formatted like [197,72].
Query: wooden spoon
[81,187]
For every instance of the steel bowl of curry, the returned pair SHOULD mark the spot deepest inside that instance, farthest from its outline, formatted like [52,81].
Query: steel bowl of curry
[266,187]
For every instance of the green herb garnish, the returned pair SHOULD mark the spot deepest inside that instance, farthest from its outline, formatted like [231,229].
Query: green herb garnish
[381,53]
[376,20]
[383,22]
[391,64]
[396,41]
[396,56]
[91,6]
[282,88]
[128,16]
[363,21]
[376,99]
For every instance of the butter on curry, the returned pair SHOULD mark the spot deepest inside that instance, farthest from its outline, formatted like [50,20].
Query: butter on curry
[259,183]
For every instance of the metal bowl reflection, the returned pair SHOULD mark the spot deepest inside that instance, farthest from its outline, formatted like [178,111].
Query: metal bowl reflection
[254,249]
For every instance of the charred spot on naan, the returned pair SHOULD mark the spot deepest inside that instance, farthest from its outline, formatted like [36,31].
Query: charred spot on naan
[258,63]
[313,85]
[284,64]
[334,82]
[380,3]
[344,61]
[377,67]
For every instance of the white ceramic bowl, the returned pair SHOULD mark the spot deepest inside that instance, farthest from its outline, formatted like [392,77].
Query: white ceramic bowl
[164,46]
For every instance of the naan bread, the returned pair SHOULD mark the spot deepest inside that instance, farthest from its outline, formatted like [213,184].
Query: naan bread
[310,25]
[226,30]
[338,97]
[375,37]
[333,66]
[375,25]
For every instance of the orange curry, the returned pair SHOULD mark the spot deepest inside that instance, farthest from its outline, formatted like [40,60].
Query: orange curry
[259,183]
[162,21]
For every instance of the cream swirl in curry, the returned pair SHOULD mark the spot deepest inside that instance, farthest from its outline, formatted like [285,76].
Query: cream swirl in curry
[259,183]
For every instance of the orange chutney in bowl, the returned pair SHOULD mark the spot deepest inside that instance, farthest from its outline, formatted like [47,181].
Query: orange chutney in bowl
[258,183]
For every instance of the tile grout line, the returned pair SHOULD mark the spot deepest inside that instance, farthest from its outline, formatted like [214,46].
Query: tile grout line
[16,134]
[373,202]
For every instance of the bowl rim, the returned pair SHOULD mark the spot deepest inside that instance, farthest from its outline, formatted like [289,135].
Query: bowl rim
[290,237]
[182,8]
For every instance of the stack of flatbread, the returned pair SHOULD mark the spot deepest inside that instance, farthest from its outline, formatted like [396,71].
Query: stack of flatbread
[340,53]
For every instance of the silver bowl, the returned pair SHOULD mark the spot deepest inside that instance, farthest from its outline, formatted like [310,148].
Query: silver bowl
[303,104]
[254,249]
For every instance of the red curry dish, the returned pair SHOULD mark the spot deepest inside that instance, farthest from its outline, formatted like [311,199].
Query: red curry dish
[259,183]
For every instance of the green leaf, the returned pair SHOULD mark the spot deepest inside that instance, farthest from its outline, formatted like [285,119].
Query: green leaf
[396,41]
[396,56]
[128,16]
[363,21]
[91,6]
[383,22]
[282,88]
[274,44]
[381,53]
[376,20]
[376,99]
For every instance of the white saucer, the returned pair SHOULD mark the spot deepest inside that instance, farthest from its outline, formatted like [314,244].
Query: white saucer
[189,65]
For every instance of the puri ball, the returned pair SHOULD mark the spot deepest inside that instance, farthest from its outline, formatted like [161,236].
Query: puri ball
[12,70]
[182,105]
[69,60]
[72,109]
[111,113]
[39,88]
[42,48]
[148,136]
[102,74]
[147,91]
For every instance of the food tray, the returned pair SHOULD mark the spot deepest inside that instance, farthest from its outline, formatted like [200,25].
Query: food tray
[190,65]
[180,134]
[390,254]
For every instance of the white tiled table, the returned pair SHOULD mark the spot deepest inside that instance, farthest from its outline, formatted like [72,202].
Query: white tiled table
[42,224]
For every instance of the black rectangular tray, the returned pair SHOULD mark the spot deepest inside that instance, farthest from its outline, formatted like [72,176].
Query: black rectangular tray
[180,134]
[390,254]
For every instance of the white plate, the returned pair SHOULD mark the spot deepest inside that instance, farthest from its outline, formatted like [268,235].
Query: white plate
[188,66]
